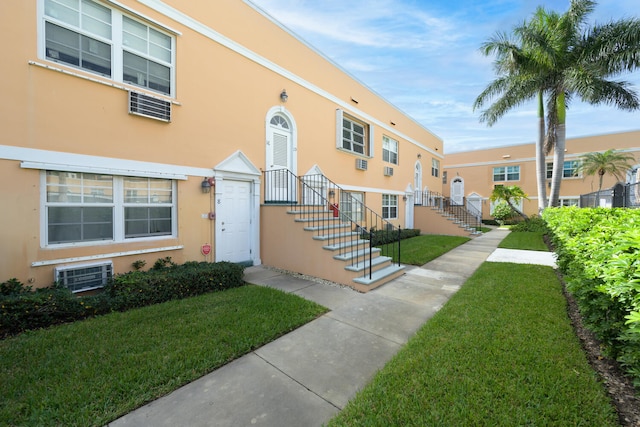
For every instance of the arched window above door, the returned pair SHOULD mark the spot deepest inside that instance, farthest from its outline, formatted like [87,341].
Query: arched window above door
[280,122]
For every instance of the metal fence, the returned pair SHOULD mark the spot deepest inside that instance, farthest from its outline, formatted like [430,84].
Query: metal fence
[618,196]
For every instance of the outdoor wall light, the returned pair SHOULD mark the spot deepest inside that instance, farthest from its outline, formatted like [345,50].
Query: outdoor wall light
[206,184]
[419,155]
[283,95]
[404,198]
[332,193]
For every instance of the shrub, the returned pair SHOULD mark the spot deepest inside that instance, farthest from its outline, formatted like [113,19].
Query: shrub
[23,309]
[13,287]
[137,289]
[533,224]
[502,212]
[382,237]
[26,309]
[599,253]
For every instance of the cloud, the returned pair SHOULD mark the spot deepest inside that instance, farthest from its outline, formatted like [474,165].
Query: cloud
[423,56]
[378,24]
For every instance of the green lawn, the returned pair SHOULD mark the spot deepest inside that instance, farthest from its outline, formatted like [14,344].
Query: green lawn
[528,240]
[93,371]
[501,352]
[420,250]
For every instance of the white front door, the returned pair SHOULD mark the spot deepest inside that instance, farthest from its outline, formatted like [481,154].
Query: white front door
[280,178]
[417,183]
[457,191]
[235,222]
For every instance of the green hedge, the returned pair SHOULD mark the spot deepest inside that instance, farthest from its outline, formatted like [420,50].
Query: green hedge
[22,308]
[599,254]
[533,224]
[382,237]
[137,289]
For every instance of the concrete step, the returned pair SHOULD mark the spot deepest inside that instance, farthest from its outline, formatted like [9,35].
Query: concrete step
[345,245]
[376,261]
[327,227]
[319,220]
[378,277]
[319,211]
[336,236]
[357,254]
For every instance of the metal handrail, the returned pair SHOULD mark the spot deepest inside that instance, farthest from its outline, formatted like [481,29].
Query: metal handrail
[319,202]
[469,216]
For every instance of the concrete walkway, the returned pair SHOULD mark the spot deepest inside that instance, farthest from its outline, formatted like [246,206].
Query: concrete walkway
[305,377]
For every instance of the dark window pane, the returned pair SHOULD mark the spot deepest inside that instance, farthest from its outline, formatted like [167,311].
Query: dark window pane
[75,49]
[77,224]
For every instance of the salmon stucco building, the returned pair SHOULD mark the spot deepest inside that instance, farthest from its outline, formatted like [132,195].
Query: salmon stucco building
[137,130]
[469,177]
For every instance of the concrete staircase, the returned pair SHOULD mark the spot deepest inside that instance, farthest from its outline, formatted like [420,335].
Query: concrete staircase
[450,215]
[304,230]
[349,251]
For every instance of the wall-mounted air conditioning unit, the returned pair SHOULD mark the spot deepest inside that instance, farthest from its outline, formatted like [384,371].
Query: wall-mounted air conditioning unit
[361,164]
[84,277]
[149,106]
[388,171]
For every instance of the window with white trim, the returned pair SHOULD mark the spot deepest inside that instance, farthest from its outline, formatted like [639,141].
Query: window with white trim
[354,136]
[148,205]
[435,167]
[568,202]
[352,204]
[90,207]
[506,173]
[569,169]
[93,37]
[389,150]
[389,206]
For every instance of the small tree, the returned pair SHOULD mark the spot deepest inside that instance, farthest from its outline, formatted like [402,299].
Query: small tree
[502,212]
[511,195]
[609,162]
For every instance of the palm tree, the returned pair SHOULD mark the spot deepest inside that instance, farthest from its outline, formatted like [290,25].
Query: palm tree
[610,162]
[556,57]
[511,195]
[520,79]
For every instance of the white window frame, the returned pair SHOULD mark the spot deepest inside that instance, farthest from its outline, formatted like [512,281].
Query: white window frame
[116,41]
[435,167]
[389,150]
[368,134]
[569,169]
[352,204]
[118,206]
[506,173]
[390,206]
[569,202]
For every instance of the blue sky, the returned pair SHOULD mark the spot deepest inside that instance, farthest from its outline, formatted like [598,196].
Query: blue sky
[423,57]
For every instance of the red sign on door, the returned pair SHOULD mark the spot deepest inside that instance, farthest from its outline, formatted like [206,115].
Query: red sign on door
[206,249]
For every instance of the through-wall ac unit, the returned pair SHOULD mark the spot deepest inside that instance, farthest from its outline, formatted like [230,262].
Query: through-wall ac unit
[388,171]
[149,106]
[361,164]
[84,277]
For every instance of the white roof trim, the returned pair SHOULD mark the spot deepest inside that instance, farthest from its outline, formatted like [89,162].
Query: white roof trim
[237,163]
[31,158]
